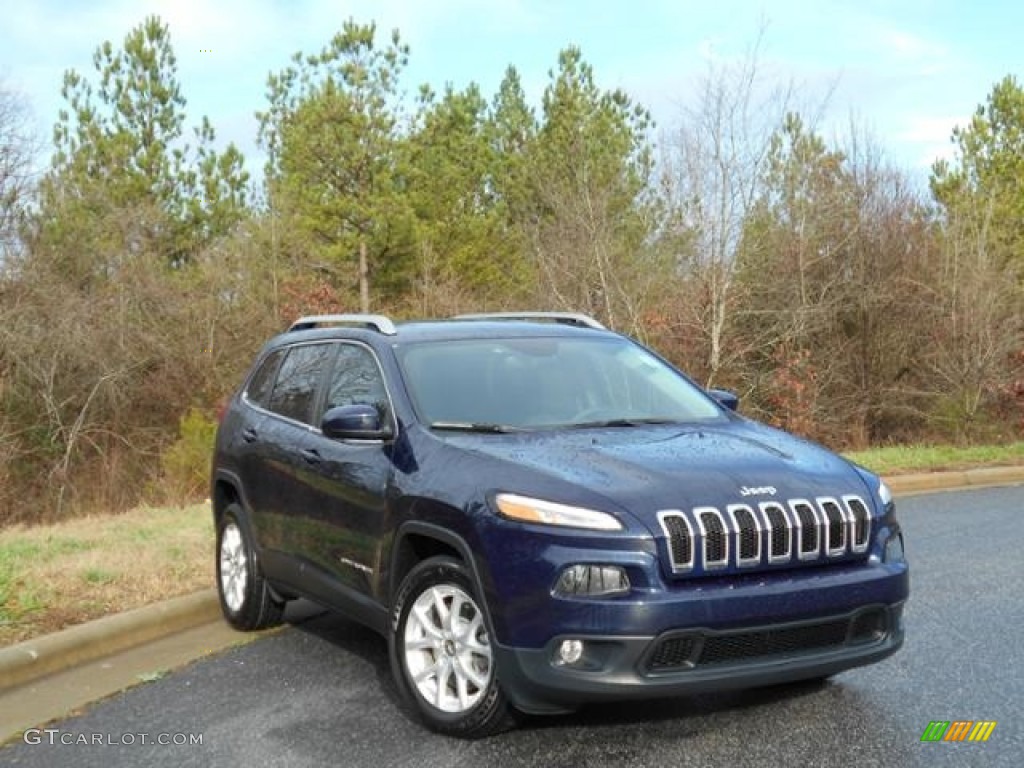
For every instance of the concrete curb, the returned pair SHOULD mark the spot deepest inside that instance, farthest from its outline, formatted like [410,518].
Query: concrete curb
[928,482]
[33,659]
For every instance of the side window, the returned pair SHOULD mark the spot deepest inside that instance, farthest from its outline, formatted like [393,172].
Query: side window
[262,382]
[357,380]
[297,381]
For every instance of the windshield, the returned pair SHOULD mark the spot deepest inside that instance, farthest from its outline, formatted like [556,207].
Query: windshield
[537,383]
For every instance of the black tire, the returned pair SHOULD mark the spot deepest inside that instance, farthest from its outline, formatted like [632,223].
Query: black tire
[467,700]
[245,597]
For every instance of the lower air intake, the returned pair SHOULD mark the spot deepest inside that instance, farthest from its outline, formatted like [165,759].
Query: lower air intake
[693,650]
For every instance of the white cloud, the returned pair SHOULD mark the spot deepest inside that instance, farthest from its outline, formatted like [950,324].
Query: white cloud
[910,46]
[927,137]
[906,53]
[930,128]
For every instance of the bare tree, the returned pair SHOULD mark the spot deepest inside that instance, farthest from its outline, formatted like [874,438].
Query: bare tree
[713,166]
[829,320]
[18,149]
[977,326]
[877,328]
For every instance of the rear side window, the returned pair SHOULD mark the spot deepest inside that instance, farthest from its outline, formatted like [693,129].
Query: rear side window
[262,382]
[297,381]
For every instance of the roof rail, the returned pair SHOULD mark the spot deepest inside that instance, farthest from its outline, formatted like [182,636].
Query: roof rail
[566,318]
[379,323]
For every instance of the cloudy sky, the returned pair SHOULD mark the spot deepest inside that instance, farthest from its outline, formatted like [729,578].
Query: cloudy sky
[908,71]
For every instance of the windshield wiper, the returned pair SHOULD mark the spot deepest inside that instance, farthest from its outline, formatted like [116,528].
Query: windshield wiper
[471,426]
[621,423]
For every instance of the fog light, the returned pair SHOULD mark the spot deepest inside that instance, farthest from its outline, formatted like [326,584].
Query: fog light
[592,581]
[570,651]
[894,549]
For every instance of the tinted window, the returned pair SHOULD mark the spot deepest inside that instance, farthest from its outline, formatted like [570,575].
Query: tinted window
[297,381]
[262,382]
[356,379]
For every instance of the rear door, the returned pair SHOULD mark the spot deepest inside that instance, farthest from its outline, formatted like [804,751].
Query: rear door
[277,476]
[247,444]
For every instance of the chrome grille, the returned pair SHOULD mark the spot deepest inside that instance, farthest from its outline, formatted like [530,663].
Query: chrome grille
[807,523]
[748,545]
[860,523]
[771,533]
[779,533]
[835,526]
[716,541]
[680,537]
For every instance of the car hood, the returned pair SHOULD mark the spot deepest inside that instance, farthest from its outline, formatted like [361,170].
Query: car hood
[645,469]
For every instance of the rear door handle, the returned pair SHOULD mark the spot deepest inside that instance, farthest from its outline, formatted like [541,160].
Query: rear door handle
[311,455]
[249,434]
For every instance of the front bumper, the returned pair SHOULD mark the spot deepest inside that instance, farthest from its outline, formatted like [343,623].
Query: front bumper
[697,660]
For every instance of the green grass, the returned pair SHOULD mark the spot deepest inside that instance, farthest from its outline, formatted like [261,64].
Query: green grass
[903,459]
[98,576]
[18,599]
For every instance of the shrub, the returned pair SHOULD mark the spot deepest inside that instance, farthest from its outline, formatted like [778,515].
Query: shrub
[186,462]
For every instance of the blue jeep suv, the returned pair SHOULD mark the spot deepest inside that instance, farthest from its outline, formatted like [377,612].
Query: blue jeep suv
[536,512]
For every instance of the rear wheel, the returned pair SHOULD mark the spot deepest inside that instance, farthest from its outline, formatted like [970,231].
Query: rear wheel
[245,597]
[441,652]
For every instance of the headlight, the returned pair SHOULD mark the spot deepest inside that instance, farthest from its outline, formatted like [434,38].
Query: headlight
[884,494]
[530,510]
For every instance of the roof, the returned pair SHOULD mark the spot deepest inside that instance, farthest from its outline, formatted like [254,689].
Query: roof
[497,325]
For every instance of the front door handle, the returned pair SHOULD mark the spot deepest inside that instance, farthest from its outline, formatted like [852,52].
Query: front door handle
[311,455]
[249,435]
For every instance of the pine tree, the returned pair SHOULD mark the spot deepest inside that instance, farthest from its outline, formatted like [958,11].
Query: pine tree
[122,177]
[332,134]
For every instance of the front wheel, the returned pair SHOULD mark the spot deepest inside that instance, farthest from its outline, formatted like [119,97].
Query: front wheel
[441,653]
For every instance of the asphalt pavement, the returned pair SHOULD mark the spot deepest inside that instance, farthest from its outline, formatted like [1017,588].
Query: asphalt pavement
[320,692]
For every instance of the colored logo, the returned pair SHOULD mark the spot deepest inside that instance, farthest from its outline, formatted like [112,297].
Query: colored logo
[958,730]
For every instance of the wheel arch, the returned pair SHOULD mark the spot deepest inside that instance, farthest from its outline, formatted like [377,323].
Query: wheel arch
[418,540]
[227,490]
[263,606]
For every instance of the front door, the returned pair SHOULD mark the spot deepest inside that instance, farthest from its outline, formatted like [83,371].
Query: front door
[346,480]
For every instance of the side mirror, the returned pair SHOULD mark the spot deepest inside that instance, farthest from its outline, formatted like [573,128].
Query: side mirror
[354,422]
[726,397]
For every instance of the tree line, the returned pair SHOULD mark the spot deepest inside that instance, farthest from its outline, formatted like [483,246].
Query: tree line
[141,272]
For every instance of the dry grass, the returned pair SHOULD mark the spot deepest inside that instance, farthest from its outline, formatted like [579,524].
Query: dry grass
[54,576]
